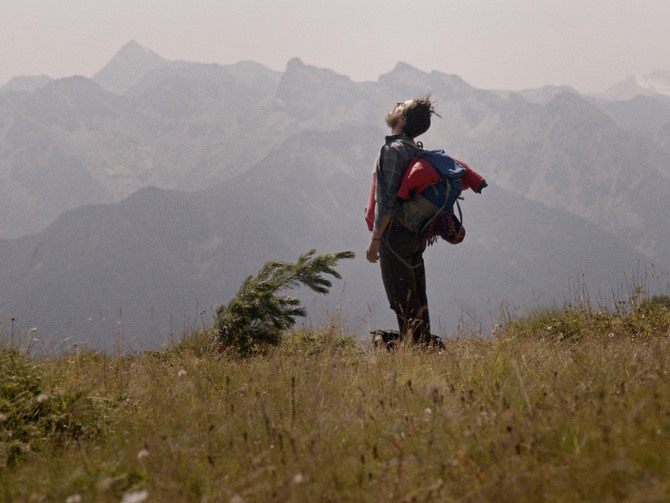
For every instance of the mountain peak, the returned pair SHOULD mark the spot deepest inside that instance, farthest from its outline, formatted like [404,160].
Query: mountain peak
[128,67]
[27,83]
[654,84]
[404,69]
[132,47]
[295,64]
[298,75]
[657,82]
[406,75]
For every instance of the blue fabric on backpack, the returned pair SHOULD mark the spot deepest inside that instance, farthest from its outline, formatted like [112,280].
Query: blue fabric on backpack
[448,168]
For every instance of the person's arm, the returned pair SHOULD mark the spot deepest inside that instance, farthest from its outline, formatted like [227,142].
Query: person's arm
[388,175]
[372,253]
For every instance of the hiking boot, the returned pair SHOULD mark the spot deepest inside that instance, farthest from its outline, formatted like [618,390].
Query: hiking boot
[436,343]
[386,339]
[377,340]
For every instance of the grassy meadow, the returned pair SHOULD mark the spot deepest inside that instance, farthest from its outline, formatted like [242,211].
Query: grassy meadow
[567,404]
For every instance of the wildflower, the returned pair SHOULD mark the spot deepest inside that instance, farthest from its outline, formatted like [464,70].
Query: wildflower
[427,410]
[298,478]
[135,497]
[74,498]
[142,454]
[236,499]
[3,418]
[181,373]
[42,397]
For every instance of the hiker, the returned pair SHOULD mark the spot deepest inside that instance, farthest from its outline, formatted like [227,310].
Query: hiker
[399,250]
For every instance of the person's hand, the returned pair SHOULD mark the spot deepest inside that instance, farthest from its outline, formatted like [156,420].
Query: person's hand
[372,253]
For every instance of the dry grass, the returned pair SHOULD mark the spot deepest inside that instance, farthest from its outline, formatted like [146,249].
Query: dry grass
[562,406]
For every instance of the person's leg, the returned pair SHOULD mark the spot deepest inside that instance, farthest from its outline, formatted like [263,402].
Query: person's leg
[422,334]
[403,275]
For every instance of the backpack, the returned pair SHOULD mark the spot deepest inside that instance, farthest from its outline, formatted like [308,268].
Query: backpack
[429,213]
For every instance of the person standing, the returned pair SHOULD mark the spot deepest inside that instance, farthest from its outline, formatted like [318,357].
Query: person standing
[399,250]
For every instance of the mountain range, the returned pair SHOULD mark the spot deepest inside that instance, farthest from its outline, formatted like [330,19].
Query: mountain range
[133,202]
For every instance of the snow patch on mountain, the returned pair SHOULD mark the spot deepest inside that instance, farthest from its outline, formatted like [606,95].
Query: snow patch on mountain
[653,84]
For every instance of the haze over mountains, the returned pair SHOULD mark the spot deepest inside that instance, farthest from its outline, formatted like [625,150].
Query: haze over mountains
[133,202]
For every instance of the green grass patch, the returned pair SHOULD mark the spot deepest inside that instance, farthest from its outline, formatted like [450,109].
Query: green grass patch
[564,405]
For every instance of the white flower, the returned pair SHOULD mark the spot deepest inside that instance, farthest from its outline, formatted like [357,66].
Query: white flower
[142,454]
[298,478]
[42,397]
[135,497]
[181,373]
[427,410]
[73,498]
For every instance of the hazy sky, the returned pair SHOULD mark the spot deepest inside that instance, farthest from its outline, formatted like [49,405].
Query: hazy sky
[504,44]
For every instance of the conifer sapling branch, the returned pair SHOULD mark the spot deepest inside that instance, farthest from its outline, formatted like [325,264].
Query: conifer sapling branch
[257,315]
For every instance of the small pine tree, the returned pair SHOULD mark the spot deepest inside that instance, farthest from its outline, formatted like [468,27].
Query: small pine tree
[257,315]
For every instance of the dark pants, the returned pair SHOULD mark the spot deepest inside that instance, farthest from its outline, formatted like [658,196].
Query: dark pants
[404,277]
